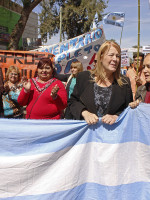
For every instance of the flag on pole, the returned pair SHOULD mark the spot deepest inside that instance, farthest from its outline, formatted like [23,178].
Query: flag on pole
[115,18]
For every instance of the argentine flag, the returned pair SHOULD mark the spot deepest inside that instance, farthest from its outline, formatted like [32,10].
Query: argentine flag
[70,160]
[115,18]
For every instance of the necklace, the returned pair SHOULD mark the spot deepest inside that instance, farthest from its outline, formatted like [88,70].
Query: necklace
[48,83]
[16,86]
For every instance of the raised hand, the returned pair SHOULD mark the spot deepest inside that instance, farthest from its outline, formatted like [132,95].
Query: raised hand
[54,91]
[26,84]
[138,80]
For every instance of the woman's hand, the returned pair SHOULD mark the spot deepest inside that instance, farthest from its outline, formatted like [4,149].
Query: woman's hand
[54,91]
[90,118]
[138,80]
[109,119]
[134,104]
[26,84]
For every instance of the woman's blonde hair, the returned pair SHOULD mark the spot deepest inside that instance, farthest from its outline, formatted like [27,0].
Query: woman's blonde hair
[98,71]
[77,64]
[10,69]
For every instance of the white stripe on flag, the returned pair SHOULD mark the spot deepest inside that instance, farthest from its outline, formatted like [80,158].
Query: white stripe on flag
[106,164]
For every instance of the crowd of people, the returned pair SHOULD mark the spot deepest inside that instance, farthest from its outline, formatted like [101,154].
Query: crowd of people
[82,95]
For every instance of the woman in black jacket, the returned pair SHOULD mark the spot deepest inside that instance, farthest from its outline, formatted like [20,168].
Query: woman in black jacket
[101,92]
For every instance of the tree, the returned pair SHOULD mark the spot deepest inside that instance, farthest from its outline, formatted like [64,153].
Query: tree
[77,15]
[28,6]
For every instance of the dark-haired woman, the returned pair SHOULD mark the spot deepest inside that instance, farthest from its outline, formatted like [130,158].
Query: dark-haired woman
[45,96]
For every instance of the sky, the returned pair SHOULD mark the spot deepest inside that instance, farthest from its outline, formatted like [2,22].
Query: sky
[130,29]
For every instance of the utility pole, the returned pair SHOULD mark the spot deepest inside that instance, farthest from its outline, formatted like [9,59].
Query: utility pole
[138,35]
[60,23]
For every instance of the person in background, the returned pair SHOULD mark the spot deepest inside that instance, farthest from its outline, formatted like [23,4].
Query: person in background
[12,88]
[44,95]
[95,61]
[102,92]
[136,80]
[143,92]
[70,80]
[1,92]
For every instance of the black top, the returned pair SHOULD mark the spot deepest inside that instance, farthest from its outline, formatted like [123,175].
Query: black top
[82,97]
[102,98]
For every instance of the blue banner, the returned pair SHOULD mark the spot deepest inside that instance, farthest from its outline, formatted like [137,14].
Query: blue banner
[70,160]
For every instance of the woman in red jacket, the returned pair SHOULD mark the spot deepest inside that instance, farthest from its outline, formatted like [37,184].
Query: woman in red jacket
[45,96]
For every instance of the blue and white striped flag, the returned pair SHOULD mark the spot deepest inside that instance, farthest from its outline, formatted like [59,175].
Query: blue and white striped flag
[115,18]
[70,160]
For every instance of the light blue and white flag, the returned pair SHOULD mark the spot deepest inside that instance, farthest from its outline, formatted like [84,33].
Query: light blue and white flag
[115,18]
[70,160]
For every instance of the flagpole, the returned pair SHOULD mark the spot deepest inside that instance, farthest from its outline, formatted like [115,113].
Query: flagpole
[60,24]
[137,69]
[121,36]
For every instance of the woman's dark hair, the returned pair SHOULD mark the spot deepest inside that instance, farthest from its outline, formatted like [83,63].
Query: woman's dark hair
[140,55]
[45,61]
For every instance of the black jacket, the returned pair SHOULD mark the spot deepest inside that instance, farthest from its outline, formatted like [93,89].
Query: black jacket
[82,97]
[64,78]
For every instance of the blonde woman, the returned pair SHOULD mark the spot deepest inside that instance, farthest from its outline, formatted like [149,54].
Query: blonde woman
[102,92]
[12,87]
[70,80]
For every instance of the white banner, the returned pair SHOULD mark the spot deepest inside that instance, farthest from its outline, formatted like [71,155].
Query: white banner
[82,48]
[146,49]
[125,61]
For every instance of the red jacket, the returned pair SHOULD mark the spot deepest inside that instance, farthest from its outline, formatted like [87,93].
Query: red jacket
[43,107]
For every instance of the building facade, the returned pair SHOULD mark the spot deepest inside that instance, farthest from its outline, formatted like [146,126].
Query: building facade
[9,15]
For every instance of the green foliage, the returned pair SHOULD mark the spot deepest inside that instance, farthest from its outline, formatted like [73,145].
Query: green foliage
[77,16]
[27,7]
